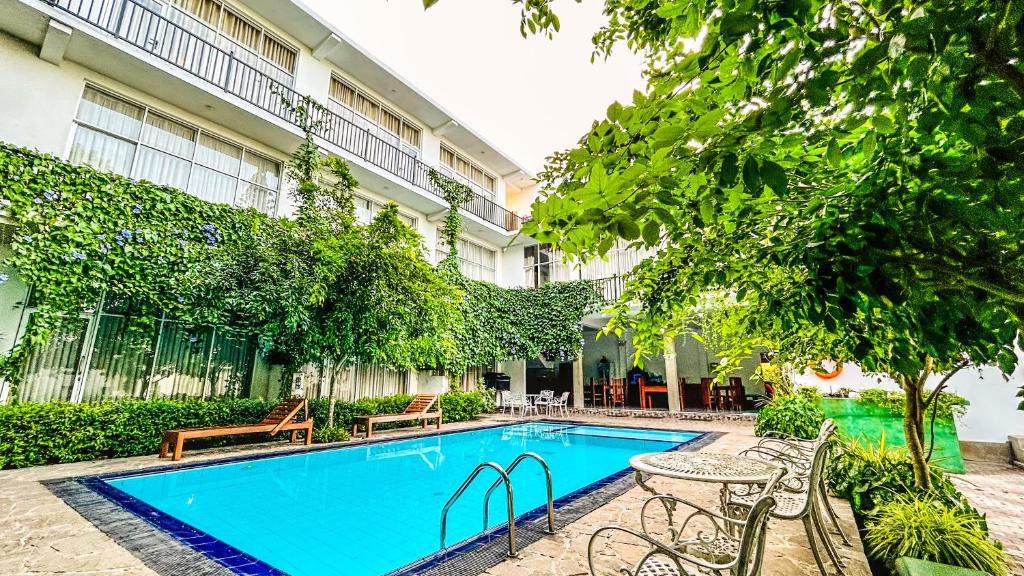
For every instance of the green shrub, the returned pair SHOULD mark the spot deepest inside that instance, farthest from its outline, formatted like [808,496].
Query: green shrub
[948,404]
[794,414]
[325,435]
[926,528]
[871,477]
[33,434]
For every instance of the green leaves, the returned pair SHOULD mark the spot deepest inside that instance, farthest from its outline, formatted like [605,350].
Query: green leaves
[774,176]
[752,175]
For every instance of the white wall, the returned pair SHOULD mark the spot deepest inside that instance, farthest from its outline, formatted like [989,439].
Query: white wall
[992,415]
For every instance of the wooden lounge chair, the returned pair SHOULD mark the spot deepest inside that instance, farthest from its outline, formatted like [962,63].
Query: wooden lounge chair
[417,410]
[280,419]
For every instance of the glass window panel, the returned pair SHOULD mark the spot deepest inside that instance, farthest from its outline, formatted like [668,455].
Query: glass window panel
[253,196]
[367,107]
[219,155]
[161,168]
[110,114]
[120,361]
[447,157]
[101,151]
[278,53]
[260,170]
[390,122]
[206,10]
[50,370]
[212,185]
[169,136]
[343,93]
[411,135]
[237,27]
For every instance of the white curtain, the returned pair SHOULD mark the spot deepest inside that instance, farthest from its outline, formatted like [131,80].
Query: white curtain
[212,185]
[166,155]
[110,114]
[101,151]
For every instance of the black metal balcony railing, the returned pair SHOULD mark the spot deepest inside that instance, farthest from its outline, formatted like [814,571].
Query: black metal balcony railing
[612,288]
[148,30]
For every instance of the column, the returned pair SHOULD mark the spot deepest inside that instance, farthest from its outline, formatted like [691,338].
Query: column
[671,375]
[577,382]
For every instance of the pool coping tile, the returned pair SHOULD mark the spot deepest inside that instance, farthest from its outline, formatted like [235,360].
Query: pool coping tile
[170,547]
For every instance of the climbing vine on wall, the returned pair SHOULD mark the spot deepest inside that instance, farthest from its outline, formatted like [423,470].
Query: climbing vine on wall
[455,194]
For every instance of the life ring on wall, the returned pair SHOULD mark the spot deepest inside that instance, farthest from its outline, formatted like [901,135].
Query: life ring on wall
[827,375]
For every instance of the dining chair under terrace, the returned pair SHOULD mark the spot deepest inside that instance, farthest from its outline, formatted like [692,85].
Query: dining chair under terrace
[559,404]
[510,402]
[679,538]
[795,495]
[525,406]
[543,399]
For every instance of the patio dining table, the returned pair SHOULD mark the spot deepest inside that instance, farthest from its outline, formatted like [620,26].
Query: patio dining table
[712,467]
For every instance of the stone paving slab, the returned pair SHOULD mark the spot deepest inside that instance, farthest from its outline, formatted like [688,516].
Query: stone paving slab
[998,491]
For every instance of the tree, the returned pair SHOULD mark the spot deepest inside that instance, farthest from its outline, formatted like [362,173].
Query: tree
[850,171]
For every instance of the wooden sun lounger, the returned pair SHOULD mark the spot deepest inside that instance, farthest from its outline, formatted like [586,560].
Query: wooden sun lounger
[417,410]
[280,419]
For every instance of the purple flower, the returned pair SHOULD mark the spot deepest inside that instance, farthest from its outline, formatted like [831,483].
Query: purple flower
[37,200]
[180,299]
[137,209]
[101,236]
[78,256]
[4,277]
[50,194]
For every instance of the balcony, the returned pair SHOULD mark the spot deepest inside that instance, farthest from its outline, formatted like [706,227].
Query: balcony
[180,46]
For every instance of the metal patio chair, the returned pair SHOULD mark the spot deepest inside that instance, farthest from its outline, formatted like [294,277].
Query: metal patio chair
[797,495]
[704,543]
[559,404]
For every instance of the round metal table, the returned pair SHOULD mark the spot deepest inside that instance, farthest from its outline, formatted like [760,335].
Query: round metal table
[701,467]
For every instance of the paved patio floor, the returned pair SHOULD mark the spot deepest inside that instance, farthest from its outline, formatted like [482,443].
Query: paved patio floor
[998,491]
[40,534]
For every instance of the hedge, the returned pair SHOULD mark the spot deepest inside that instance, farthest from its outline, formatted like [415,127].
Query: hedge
[56,432]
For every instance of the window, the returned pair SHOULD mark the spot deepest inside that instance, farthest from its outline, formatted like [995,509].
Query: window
[367,209]
[230,29]
[367,112]
[464,169]
[475,261]
[115,135]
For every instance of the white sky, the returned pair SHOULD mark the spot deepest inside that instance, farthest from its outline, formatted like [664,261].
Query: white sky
[530,97]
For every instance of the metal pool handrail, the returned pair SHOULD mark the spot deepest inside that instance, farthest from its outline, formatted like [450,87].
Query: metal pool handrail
[547,474]
[508,489]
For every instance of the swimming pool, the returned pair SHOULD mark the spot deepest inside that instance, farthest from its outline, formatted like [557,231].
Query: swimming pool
[375,508]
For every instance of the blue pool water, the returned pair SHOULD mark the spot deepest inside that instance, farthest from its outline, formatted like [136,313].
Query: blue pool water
[368,510]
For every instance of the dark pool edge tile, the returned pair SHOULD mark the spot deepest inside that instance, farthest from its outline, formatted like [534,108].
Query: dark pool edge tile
[157,549]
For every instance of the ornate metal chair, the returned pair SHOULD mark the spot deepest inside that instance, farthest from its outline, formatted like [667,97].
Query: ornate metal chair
[704,543]
[798,495]
[805,448]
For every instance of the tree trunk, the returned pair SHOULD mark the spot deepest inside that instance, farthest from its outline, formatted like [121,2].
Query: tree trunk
[333,401]
[913,424]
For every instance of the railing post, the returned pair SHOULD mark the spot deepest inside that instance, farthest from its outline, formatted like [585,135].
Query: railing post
[229,70]
[120,18]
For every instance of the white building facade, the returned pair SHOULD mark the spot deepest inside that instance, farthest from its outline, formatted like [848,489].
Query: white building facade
[192,94]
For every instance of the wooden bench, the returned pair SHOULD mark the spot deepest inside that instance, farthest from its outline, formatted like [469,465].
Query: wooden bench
[280,419]
[417,410]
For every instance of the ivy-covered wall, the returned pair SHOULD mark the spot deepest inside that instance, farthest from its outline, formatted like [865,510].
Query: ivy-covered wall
[316,289]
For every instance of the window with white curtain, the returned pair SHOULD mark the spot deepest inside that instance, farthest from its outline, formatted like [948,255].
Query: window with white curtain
[367,112]
[461,168]
[367,209]
[475,261]
[213,21]
[116,135]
